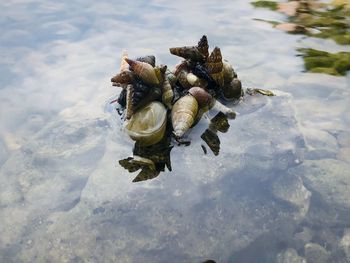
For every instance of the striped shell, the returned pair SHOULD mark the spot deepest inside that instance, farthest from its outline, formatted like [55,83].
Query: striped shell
[183,114]
[203,46]
[214,66]
[144,71]
[167,93]
[188,52]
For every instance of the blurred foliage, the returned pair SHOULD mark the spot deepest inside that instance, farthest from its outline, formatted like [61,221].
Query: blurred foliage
[266,4]
[319,19]
[318,61]
[316,19]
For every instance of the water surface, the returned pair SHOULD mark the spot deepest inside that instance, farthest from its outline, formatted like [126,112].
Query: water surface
[277,191]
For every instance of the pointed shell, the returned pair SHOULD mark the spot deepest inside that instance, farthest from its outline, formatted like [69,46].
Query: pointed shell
[188,52]
[123,64]
[167,93]
[214,66]
[203,46]
[144,71]
[183,114]
[203,98]
[147,126]
[214,62]
[124,77]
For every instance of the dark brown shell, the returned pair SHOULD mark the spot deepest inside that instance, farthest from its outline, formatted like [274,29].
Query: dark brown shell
[140,91]
[219,123]
[203,46]
[233,90]
[181,66]
[150,59]
[212,140]
[214,66]
[203,98]
[188,52]
[124,77]
[214,62]
[144,71]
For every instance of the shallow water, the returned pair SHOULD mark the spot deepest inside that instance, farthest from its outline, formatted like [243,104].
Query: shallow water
[277,191]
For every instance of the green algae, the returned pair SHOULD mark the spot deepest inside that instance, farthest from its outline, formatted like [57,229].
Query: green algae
[318,61]
[266,4]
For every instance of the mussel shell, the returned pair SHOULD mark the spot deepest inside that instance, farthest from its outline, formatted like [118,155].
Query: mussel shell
[200,71]
[140,91]
[203,98]
[147,125]
[150,59]
[154,94]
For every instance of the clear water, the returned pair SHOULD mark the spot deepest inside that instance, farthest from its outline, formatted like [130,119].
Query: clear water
[278,191]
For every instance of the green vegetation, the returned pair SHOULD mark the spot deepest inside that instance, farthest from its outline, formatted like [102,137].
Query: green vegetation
[322,21]
[318,61]
[265,4]
[316,19]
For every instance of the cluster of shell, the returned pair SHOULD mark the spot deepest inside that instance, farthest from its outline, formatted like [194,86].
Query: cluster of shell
[150,92]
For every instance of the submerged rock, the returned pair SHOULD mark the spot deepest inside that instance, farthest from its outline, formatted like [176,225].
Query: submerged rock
[329,178]
[292,190]
[345,243]
[290,255]
[315,253]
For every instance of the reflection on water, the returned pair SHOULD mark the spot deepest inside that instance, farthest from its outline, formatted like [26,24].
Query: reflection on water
[154,158]
[217,123]
[150,159]
[321,20]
